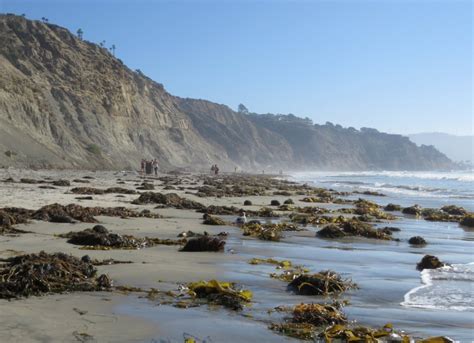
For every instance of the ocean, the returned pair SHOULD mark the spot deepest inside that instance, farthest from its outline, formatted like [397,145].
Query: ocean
[440,301]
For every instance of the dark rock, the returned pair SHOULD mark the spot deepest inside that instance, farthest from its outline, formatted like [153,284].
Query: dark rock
[247,203]
[204,243]
[84,198]
[288,202]
[100,229]
[429,262]
[275,203]
[417,240]
[468,220]
[86,259]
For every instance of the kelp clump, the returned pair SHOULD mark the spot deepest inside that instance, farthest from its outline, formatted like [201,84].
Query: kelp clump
[10,216]
[99,238]
[279,264]
[353,227]
[211,220]
[392,207]
[168,200]
[343,333]
[220,293]
[307,318]
[454,210]
[414,210]
[366,207]
[39,274]
[318,314]
[331,231]
[322,283]
[60,213]
[266,233]
[98,191]
[204,243]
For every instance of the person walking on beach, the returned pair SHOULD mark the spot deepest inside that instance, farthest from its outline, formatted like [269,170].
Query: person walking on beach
[213,169]
[142,169]
[155,166]
[216,170]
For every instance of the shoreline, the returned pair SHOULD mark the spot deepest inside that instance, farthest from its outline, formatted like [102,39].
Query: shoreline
[166,268]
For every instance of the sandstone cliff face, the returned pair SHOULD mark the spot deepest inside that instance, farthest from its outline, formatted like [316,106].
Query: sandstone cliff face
[69,103]
[74,100]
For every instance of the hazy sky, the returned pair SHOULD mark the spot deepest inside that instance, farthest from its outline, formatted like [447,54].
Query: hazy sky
[396,65]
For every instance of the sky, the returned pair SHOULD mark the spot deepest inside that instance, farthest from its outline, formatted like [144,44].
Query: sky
[400,66]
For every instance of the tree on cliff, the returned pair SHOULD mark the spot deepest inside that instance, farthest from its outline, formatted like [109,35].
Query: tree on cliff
[80,33]
[242,109]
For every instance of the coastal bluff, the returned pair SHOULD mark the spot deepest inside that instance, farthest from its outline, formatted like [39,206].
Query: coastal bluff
[69,103]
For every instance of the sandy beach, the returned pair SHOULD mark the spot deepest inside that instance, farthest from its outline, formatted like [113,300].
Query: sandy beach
[383,270]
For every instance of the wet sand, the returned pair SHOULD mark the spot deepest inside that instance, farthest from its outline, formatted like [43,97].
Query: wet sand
[384,271]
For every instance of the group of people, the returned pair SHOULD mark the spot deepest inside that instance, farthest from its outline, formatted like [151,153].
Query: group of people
[214,169]
[149,166]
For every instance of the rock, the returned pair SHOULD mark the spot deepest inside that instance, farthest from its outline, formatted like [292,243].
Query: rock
[417,240]
[86,259]
[289,202]
[204,243]
[429,262]
[275,203]
[468,220]
[392,207]
[84,198]
[330,231]
[414,210]
[247,203]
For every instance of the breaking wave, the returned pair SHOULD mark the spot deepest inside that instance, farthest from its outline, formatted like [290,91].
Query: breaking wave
[446,288]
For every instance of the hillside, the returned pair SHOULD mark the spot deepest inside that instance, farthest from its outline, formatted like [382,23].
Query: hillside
[69,103]
[457,148]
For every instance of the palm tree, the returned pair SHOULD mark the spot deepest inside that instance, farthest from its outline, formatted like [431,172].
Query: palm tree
[112,48]
[80,33]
